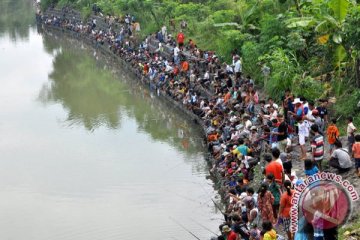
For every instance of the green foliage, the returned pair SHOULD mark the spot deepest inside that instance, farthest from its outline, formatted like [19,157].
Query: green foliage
[250,54]
[308,87]
[310,46]
[86,12]
[340,8]
[282,69]
[16,27]
[346,105]
[224,16]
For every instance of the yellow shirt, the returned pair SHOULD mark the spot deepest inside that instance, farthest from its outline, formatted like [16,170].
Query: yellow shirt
[270,235]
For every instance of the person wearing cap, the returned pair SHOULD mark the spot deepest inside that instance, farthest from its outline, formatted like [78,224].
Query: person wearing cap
[230,235]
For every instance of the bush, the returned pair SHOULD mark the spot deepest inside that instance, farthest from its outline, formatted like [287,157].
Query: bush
[307,87]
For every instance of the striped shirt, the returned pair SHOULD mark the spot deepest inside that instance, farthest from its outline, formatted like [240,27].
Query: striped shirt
[317,144]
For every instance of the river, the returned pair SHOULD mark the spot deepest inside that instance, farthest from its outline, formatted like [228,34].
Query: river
[86,151]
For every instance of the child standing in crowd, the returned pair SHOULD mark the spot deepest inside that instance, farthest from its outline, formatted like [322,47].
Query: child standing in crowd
[303,133]
[356,153]
[269,232]
[285,207]
[275,190]
[332,133]
[317,146]
[310,168]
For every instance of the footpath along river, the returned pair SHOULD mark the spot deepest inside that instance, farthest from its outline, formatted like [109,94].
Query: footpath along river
[86,154]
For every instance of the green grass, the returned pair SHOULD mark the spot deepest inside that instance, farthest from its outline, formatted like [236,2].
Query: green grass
[349,228]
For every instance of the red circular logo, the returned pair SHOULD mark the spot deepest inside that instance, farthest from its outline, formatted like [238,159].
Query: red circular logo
[325,205]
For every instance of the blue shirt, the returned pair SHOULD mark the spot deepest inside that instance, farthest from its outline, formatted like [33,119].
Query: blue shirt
[243,150]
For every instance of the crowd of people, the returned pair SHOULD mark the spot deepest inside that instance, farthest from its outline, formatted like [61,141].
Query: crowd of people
[249,137]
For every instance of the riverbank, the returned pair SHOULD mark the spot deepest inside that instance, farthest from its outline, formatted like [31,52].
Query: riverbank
[137,73]
[214,121]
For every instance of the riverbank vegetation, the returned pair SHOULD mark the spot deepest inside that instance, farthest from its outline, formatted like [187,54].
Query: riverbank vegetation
[311,47]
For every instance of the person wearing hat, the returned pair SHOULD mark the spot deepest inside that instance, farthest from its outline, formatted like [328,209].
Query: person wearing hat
[230,235]
[299,108]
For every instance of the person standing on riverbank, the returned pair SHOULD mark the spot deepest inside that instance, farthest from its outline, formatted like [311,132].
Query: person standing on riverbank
[275,190]
[356,154]
[303,133]
[350,131]
[180,39]
[282,133]
[237,67]
[332,133]
[285,207]
[274,166]
[317,146]
[265,203]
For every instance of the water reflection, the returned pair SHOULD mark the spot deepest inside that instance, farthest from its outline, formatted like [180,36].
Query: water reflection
[88,89]
[15,18]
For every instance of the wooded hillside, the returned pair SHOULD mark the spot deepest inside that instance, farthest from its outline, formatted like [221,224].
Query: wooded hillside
[310,46]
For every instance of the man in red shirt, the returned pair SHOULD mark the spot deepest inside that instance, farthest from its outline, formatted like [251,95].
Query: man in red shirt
[180,39]
[275,168]
[230,235]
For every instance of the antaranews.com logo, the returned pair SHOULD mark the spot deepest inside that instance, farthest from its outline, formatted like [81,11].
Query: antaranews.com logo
[324,200]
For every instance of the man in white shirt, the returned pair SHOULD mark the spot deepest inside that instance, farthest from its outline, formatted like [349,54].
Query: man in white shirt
[350,131]
[303,134]
[271,104]
[340,158]
[271,116]
[237,67]
[176,55]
